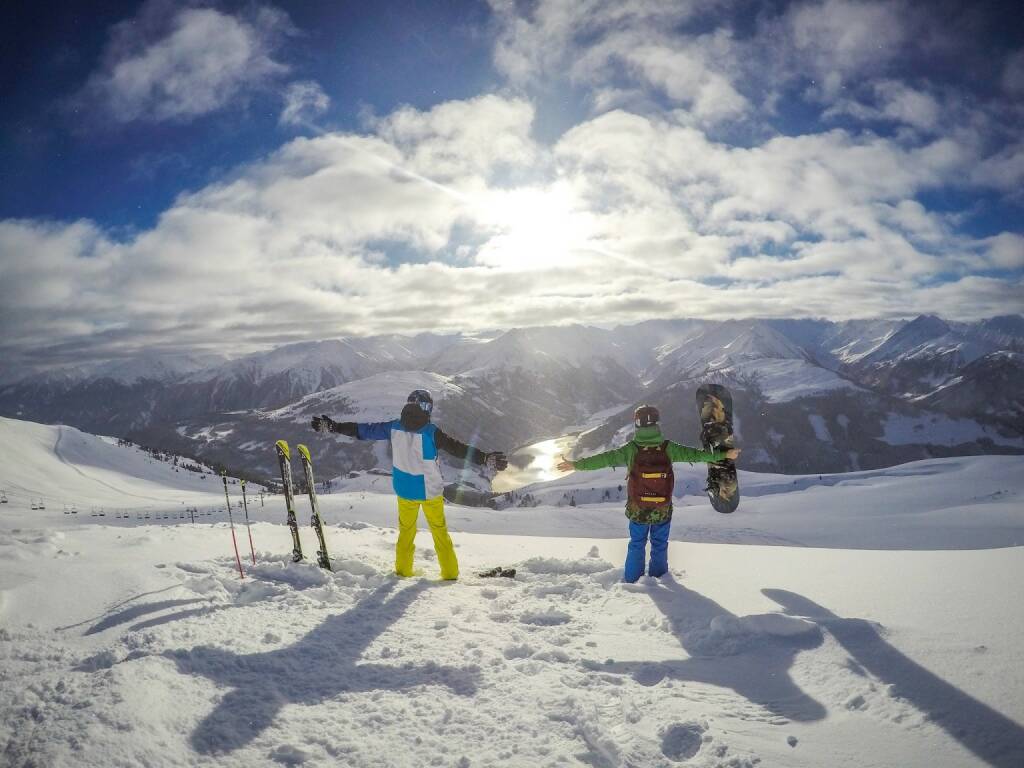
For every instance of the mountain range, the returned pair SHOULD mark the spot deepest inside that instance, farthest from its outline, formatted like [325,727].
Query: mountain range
[810,395]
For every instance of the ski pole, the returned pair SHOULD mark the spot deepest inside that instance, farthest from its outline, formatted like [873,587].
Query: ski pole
[248,526]
[231,521]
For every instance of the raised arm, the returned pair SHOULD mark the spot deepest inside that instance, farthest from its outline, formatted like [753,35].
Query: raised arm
[617,457]
[458,449]
[679,452]
[376,430]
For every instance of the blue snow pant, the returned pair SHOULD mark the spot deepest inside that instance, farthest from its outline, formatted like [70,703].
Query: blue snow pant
[638,535]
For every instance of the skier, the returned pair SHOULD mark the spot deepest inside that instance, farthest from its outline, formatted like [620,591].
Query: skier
[416,474]
[649,458]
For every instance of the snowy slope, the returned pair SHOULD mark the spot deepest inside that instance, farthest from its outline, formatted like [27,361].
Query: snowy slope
[717,346]
[138,644]
[374,398]
[782,380]
[63,466]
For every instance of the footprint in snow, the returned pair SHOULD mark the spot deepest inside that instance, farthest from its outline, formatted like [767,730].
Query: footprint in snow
[681,741]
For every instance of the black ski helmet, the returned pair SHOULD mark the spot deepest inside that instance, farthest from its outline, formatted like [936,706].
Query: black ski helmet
[422,398]
[646,416]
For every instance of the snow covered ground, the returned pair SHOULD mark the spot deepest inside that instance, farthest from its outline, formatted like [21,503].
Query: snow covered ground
[867,619]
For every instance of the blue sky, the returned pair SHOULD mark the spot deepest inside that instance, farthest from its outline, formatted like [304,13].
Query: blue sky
[225,176]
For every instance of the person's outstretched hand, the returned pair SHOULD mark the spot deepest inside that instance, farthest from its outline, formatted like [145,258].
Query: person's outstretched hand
[733,454]
[322,424]
[565,465]
[497,460]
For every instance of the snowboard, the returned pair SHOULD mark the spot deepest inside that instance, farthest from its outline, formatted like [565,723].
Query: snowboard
[714,409]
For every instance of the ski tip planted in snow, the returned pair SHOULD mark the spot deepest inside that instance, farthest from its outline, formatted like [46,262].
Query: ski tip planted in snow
[305,452]
[282,448]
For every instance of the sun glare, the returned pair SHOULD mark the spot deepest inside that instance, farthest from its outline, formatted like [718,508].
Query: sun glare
[533,228]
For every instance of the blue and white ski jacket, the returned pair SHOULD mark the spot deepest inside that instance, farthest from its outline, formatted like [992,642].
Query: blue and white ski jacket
[416,473]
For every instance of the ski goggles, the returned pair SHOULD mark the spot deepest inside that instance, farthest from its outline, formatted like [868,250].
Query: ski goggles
[422,399]
[646,416]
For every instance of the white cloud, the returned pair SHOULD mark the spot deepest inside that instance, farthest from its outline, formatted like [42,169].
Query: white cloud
[840,39]
[304,102]
[176,64]
[457,138]
[598,42]
[895,101]
[1013,73]
[541,40]
[1006,251]
[1004,170]
[688,71]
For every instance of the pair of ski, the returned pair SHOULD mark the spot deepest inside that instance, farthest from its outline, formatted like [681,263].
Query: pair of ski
[284,456]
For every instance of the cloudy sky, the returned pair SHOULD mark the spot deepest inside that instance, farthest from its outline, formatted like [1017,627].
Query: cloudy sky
[228,176]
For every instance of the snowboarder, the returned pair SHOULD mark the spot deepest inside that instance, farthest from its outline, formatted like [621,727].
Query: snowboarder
[416,474]
[649,458]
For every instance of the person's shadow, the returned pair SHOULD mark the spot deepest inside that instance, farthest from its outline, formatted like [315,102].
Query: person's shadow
[324,664]
[991,736]
[758,663]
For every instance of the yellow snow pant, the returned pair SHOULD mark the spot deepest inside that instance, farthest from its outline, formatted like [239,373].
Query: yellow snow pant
[433,510]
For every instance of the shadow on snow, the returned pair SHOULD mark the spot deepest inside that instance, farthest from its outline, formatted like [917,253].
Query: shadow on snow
[322,665]
[757,666]
[991,736]
[754,668]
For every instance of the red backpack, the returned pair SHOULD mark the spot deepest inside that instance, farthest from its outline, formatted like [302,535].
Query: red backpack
[651,478]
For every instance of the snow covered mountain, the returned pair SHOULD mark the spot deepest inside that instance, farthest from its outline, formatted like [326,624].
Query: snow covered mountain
[925,354]
[989,385]
[270,379]
[811,395]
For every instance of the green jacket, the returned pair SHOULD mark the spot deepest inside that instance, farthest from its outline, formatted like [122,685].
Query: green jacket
[623,457]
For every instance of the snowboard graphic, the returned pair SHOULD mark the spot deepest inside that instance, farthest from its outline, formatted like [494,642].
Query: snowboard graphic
[714,408]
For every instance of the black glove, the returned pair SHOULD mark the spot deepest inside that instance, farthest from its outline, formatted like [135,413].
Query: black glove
[496,460]
[323,424]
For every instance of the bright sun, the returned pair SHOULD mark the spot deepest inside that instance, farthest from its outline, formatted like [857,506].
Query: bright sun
[533,227]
